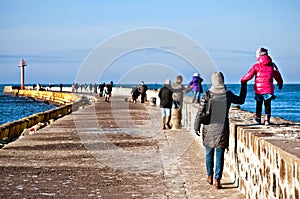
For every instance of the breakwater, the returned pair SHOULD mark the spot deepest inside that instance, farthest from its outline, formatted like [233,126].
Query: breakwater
[67,102]
[59,98]
[262,161]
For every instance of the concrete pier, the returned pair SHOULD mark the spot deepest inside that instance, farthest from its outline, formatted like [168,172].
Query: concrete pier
[118,150]
[68,102]
[108,150]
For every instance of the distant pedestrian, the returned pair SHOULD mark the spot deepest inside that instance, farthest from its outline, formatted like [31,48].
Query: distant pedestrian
[106,93]
[95,88]
[264,71]
[61,87]
[91,87]
[196,83]
[81,87]
[76,87]
[165,95]
[143,91]
[85,87]
[101,88]
[51,85]
[110,86]
[73,87]
[216,134]
[178,93]
[38,87]
[179,89]
[134,93]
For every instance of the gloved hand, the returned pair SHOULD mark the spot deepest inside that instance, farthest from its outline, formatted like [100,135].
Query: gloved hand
[244,84]
[279,86]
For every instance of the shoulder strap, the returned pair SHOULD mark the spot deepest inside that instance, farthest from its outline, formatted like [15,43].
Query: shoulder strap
[208,103]
[274,65]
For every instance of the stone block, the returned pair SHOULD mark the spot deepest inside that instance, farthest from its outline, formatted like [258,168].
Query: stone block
[282,170]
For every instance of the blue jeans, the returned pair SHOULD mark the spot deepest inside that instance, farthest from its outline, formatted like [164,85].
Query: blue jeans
[196,96]
[210,153]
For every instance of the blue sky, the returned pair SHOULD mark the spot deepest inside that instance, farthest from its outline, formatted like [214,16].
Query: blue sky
[56,36]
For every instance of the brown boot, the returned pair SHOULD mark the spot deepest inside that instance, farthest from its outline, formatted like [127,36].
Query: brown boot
[168,122]
[210,180]
[217,184]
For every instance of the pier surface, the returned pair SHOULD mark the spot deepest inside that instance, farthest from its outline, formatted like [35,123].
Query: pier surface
[108,150]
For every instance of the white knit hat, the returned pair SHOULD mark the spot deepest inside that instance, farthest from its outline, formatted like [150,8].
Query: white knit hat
[195,74]
[168,82]
[261,51]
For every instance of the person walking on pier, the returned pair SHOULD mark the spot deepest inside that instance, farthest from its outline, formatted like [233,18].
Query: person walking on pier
[134,93]
[110,86]
[143,89]
[264,71]
[165,95]
[91,87]
[85,86]
[101,88]
[81,87]
[106,93]
[61,87]
[196,83]
[216,134]
[178,92]
[76,87]
[95,88]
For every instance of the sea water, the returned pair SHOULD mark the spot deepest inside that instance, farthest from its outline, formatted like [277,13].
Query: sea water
[14,108]
[286,105]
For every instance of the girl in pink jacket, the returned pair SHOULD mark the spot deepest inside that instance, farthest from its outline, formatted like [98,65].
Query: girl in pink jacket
[264,71]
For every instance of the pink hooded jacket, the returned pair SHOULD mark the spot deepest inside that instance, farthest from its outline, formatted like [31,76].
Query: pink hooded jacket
[264,71]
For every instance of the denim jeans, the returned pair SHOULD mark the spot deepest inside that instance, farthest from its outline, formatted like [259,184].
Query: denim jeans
[210,153]
[267,102]
[196,96]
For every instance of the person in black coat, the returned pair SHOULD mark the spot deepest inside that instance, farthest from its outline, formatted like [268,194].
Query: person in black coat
[143,89]
[134,93]
[101,89]
[216,135]
[166,102]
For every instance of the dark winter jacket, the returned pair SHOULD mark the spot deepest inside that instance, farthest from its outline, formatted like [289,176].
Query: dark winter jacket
[216,134]
[165,95]
[143,88]
[135,92]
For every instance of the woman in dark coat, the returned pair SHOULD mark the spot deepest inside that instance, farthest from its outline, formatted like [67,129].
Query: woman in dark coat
[216,134]
[134,93]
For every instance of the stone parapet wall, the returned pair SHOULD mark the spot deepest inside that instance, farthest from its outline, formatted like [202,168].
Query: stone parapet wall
[263,161]
[68,103]
[46,96]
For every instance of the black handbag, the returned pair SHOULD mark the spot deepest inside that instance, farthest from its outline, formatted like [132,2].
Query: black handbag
[205,116]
